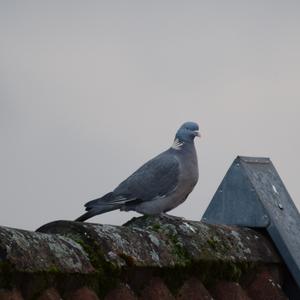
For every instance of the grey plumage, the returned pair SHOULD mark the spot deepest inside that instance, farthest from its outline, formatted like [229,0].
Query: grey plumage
[159,185]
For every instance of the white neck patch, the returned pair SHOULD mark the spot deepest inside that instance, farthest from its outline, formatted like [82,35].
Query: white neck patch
[177,145]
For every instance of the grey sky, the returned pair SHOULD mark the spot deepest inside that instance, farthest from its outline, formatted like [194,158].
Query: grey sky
[90,90]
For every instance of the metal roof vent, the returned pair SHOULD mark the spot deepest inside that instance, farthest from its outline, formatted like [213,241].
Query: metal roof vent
[252,194]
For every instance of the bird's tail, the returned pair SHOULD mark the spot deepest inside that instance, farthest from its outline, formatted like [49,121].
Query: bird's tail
[98,206]
[96,211]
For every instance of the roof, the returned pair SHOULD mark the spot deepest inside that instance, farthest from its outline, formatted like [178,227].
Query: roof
[149,257]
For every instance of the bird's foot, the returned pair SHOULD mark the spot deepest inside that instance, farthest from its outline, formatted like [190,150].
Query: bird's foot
[170,217]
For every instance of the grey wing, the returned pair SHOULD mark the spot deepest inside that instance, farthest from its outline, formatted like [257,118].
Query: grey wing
[157,178]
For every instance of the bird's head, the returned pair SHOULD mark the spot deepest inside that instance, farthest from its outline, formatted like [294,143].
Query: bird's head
[187,132]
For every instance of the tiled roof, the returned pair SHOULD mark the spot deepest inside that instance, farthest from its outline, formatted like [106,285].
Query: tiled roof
[147,258]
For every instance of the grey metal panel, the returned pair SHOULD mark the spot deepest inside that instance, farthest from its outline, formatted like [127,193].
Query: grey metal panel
[226,206]
[252,194]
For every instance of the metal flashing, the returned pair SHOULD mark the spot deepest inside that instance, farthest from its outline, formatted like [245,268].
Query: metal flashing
[252,194]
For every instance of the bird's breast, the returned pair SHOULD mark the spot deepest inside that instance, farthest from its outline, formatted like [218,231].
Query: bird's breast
[189,172]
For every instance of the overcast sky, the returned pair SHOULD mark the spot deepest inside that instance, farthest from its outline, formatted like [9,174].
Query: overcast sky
[90,90]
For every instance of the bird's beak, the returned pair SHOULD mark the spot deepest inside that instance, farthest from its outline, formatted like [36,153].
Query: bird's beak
[197,133]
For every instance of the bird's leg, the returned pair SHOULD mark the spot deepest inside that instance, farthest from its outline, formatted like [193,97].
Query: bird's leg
[170,217]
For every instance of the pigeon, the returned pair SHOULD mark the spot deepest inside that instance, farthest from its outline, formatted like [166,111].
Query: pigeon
[158,186]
